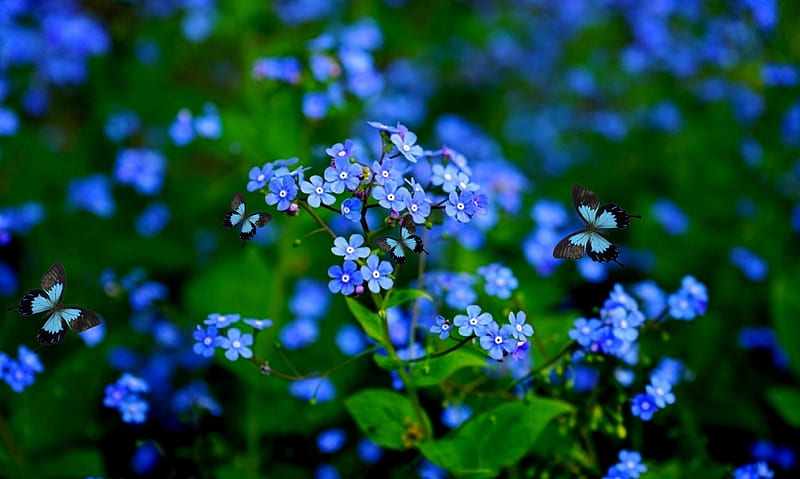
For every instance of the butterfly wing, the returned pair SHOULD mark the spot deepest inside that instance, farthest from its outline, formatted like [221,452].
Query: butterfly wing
[410,240]
[233,218]
[83,320]
[35,301]
[408,223]
[392,246]
[583,196]
[54,275]
[261,219]
[612,216]
[601,250]
[573,246]
[54,328]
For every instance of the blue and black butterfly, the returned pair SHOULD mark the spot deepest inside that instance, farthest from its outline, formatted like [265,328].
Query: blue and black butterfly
[397,247]
[58,318]
[249,222]
[597,218]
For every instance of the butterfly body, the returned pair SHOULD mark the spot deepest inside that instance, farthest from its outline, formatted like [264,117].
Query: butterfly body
[596,218]
[396,247]
[58,317]
[248,223]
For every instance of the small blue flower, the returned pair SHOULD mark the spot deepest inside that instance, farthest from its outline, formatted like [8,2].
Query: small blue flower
[376,273]
[134,409]
[310,299]
[282,191]
[299,333]
[341,150]
[320,389]
[474,322]
[520,330]
[460,206]
[259,177]
[351,250]
[17,376]
[222,320]
[351,340]
[754,267]
[405,141]
[392,197]
[454,415]
[29,360]
[670,216]
[643,406]
[331,441]
[445,176]
[500,280]
[318,191]
[497,340]
[757,470]
[343,174]
[236,344]
[208,124]
[669,370]
[585,331]
[345,278]
[133,384]
[258,324]
[631,463]
[92,194]
[624,325]
[441,327]
[195,396]
[661,392]
[207,340]
[368,451]
[142,168]
[153,219]
[386,173]
[351,209]
[114,395]
[419,205]
[181,130]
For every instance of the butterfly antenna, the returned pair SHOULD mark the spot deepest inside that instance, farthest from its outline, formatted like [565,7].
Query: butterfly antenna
[619,263]
[13,307]
[41,346]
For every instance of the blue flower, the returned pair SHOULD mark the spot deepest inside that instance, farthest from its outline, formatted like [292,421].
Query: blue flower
[145,458]
[345,278]
[9,122]
[351,209]
[376,273]
[624,324]
[405,141]
[643,406]
[351,250]
[258,324]
[474,323]
[92,194]
[341,150]
[29,360]
[195,396]
[549,214]
[758,470]
[282,191]
[142,168]
[310,299]
[585,331]
[207,340]
[153,219]
[445,176]
[318,191]
[460,206]
[670,216]
[315,105]
[286,69]
[319,389]
[331,441]
[114,395]
[668,370]
[392,197]
[520,330]
[181,130]
[419,205]
[222,320]
[752,265]
[455,415]
[368,451]
[661,392]
[500,280]
[631,463]
[343,174]
[350,339]
[134,384]
[17,376]
[259,177]
[236,344]
[299,333]
[121,125]
[654,299]
[497,340]
[441,327]
[133,409]
[208,124]
[386,173]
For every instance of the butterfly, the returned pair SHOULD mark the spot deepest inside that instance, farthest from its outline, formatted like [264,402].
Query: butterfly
[597,218]
[48,300]
[249,223]
[397,247]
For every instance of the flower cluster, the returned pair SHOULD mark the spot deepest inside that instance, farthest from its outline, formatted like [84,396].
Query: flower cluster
[497,340]
[19,220]
[629,466]
[235,343]
[658,394]
[757,470]
[21,372]
[782,456]
[186,127]
[126,394]
[499,280]
[765,338]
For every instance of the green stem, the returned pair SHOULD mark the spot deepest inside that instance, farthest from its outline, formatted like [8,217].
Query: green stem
[566,349]
[316,217]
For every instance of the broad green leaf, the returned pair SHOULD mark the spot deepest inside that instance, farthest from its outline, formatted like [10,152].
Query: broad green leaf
[400,296]
[495,438]
[370,321]
[434,371]
[785,313]
[786,401]
[386,417]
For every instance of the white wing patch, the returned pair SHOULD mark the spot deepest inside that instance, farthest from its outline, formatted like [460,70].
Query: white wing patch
[588,214]
[605,220]
[53,324]
[236,218]
[247,226]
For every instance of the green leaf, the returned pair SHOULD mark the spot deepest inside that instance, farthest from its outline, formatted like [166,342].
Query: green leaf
[370,322]
[785,310]
[386,417]
[495,438]
[386,363]
[400,296]
[435,371]
[786,401]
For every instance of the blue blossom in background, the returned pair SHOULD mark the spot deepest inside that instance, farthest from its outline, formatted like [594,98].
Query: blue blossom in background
[20,373]
[9,122]
[237,344]
[126,396]
[474,322]
[181,131]
[92,194]
[454,415]
[758,470]
[121,125]
[331,440]
[591,271]
[345,278]
[208,125]
[653,298]
[585,331]
[310,299]
[376,273]
[352,249]
[368,451]
[315,105]
[405,141]
[351,209]
[9,283]
[207,340]
[142,296]
[153,219]
[499,280]
[299,333]
[142,168]
[629,466]
[752,265]
[764,337]
[258,324]
[643,406]
[670,216]
[282,191]
[193,397]
[222,320]
[351,340]
[319,389]
[285,69]
[584,377]
[145,458]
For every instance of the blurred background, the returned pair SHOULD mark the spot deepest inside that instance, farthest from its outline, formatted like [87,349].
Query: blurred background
[126,126]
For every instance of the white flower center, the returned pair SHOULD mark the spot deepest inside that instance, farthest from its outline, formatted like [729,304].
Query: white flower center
[319,190]
[385,173]
[406,148]
[390,197]
[261,177]
[519,327]
[236,344]
[498,340]
[343,175]
[283,194]
[376,274]
[342,153]
[645,406]
[350,250]
[448,176]
[473,321]
[623,324]
[346,210]
[460,206]
[208,341]
[445,327]
[345,278]
[414,208]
